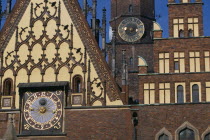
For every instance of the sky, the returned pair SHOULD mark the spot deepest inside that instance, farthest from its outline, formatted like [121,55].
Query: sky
[160,9]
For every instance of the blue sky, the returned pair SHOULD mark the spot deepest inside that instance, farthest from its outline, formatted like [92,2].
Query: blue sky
[160,9]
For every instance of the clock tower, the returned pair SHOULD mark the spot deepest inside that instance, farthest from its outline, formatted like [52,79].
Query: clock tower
[132,38]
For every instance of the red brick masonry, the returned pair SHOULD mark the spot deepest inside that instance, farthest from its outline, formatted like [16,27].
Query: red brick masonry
[116,123]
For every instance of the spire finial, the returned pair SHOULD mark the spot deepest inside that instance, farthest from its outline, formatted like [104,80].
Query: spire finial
[9,4]
[114,53]
[124,69]
[85,8]
[104,32]
[94,2]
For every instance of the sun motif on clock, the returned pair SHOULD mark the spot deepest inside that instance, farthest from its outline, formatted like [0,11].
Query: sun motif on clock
[131,29]
[42,110]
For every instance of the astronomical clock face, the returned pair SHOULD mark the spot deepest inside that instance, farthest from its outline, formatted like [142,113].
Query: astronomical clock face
[42,111]
[131,29]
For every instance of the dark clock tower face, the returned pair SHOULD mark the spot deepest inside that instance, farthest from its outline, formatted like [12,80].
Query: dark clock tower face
[131,29]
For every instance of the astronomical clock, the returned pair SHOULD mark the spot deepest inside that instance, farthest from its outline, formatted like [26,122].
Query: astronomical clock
[42,112]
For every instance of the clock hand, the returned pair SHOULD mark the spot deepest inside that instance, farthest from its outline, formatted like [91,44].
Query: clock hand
[31,109]
[54,111]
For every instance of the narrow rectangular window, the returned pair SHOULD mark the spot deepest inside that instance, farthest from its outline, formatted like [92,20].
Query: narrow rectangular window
[164,92]
[207,60]
[193,29]
[208,91]
[163,62]
[176,65]
[194,61]
[179,63]
[149,93]
[178,25]
[180,94]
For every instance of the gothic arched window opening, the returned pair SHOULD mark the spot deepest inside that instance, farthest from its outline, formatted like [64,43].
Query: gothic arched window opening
[163,137]
[207,136]
[7,90]
[186,134]
[77,84]
[163,134]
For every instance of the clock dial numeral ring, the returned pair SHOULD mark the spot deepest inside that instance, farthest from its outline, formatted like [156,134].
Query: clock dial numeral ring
[131,29]
[42,110]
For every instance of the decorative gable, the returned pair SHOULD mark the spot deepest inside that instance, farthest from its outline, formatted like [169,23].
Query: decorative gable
[50,41]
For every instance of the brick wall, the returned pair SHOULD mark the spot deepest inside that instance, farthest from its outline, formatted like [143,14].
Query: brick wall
[172,79]
[85,124]
[180,45]
[135,50]
[4,123]
[121,7]
[116,124]
[153,118]
[185,10]
[105,124]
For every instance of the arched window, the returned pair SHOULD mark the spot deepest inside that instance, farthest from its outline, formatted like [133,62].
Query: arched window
[186,134]
[163,137]
[180,94]
[195,93]
[163,134]
[7,90]
[181,33]
[207,136]
[130,8]
[77,84]
[190,33]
